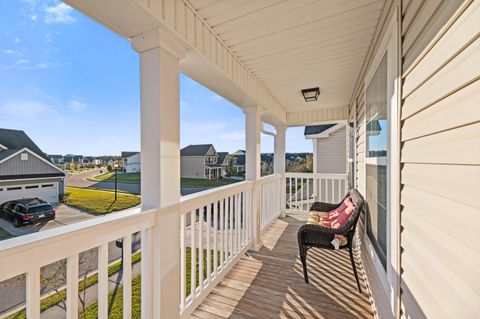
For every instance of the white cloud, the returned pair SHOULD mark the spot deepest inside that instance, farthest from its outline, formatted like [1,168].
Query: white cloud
[77,106]
[60,13]
[34,111]
[233,136]
[28,65]
[12,52]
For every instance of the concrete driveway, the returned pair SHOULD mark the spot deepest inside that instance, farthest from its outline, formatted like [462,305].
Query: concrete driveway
[64,215]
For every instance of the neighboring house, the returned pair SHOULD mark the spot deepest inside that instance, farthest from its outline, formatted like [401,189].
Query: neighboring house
[223,160]
[329,151]
[55,159]
[200,161]
[70,158]
[239,163]
[26,171]
[131,162]
[239,160]
[266,162]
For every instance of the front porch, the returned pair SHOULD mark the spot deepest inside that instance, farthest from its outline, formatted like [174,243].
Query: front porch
[269,283]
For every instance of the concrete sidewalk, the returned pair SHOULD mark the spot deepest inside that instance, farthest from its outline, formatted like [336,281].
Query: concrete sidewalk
[114,282]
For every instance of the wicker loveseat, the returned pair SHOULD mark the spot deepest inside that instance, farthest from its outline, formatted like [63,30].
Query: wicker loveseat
[315,235]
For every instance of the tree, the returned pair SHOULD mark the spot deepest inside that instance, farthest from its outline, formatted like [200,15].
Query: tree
[230,168]
[109,167]
[56,279]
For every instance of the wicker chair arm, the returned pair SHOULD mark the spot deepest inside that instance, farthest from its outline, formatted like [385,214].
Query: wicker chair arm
[324,207]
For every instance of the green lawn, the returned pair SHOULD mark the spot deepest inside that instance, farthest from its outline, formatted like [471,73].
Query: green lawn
[3,234]
[100,202]
[194,182]
[133,178]
[185,182]
[51,301]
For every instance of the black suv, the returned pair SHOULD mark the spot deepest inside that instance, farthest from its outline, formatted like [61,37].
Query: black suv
[27,211]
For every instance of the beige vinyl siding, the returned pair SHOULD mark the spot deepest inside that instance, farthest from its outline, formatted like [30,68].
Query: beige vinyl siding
[440,203]
[331,153]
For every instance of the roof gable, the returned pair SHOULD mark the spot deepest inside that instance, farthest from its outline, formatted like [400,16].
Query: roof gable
[197,150]
[16,140]
[34,165]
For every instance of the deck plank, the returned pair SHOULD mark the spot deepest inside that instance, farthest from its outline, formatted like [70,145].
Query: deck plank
[269,283]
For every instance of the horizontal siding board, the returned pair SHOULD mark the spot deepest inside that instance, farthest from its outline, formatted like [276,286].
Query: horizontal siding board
[458,146]
[464,68]
[458,109]
[439,18]
[425,246]
[411,10]
[435,290]
[463,31]
[331,153]
[421,20]
[460,221]
[458,183]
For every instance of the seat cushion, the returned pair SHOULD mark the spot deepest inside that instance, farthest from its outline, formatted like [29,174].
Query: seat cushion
[322,219]
[318,218]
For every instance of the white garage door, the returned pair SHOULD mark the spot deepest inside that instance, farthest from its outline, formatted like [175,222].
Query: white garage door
[45,191]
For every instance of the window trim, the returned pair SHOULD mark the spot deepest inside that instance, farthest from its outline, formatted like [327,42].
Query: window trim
[390,279]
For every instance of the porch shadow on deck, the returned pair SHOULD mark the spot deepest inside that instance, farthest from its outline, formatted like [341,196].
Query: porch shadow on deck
[269,283]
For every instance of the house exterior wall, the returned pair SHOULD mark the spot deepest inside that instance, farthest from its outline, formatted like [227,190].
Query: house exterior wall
[132,164]
[193,167]
[331,153]
[15,166]
[439,157]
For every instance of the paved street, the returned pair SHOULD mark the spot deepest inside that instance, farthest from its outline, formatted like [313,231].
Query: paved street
[80,180]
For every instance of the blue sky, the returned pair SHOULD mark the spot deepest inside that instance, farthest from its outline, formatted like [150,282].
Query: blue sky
[73,86]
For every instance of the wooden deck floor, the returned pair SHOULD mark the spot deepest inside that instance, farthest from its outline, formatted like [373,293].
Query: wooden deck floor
[269,283]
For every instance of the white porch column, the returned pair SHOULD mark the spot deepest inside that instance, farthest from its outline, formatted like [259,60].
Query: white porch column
[252,161]
[160,180]
[315,167]
[279,164]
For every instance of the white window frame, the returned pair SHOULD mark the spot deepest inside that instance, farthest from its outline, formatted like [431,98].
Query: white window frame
[390,279]
[352,160]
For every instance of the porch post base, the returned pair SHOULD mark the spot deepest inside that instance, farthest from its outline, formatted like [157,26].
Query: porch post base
[256,246]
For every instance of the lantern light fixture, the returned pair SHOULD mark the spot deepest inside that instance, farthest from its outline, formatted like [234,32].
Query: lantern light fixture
[311,95]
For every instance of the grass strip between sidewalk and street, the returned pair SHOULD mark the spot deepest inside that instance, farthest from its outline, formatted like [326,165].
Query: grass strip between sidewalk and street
[56,298]
[100,202]
[115,299]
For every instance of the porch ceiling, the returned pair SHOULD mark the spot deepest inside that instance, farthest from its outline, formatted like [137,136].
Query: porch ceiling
[290,45]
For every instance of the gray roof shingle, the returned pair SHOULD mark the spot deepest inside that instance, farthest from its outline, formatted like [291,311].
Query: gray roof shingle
[221,156]
[195,150]
[317,129]
[128,154]
[16,140]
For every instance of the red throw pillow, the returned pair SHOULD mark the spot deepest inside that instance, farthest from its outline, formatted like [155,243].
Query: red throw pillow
[342,219]
[335,213]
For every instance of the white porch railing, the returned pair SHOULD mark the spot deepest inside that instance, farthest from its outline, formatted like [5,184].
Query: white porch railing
[28,254]
[305,188]
[270,204]
[216,230]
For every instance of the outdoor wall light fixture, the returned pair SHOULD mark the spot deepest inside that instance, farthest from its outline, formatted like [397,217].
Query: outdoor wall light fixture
[311,95]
